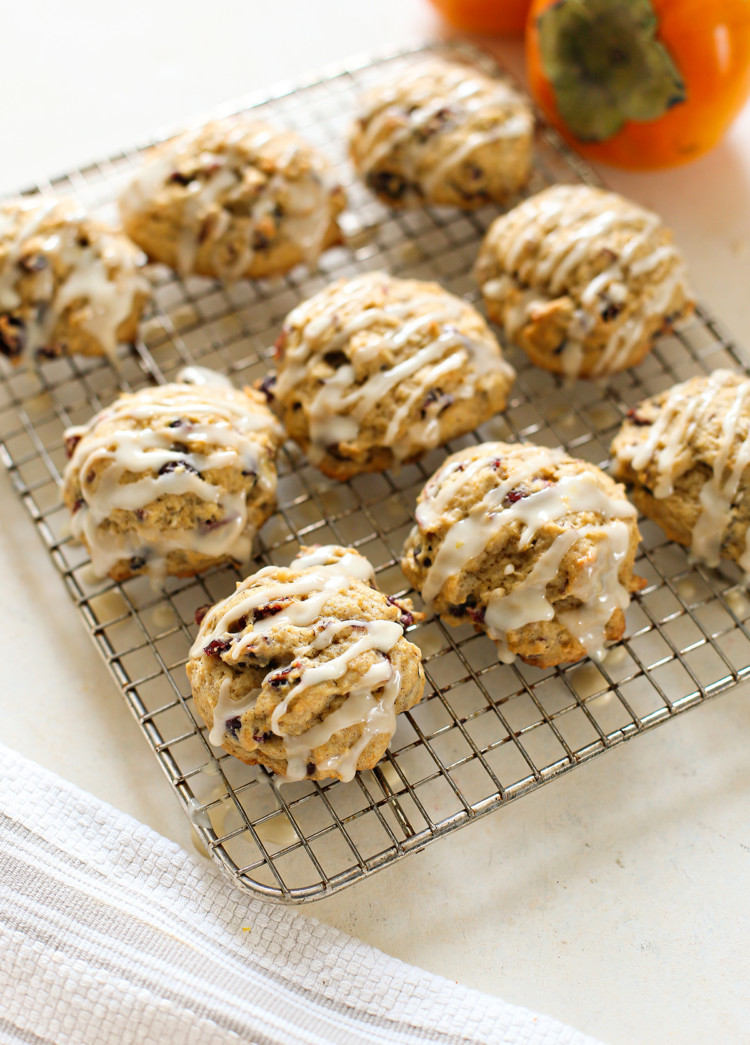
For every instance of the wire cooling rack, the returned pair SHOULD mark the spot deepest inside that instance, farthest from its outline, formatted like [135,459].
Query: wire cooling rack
[485,732]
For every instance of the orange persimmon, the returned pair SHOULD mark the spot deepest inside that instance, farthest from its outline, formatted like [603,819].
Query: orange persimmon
[640,83]
[485,16]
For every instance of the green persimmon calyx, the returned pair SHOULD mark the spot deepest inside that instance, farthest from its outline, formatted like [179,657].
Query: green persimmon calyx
[606,65]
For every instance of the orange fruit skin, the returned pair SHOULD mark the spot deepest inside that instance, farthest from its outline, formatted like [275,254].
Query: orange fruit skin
[710,42]
[506,17]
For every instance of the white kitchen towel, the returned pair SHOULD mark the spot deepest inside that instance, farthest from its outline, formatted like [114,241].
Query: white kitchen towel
[111,934]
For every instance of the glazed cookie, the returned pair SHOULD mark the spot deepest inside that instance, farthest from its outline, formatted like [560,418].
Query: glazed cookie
[686,455]
[532,546]
[445,133]
[582,279]
[233,199]
[304,668]
[68,284]
[172,479]
[373,371]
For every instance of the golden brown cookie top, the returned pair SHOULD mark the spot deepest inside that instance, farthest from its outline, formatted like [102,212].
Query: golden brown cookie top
[56,262]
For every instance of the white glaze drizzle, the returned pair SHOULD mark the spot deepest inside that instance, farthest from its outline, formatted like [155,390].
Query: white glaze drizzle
[351,563]
[667,449]
[364,706]
[570,220]
[340,407]
[306,215]
[598,588]
[429,88]
[227,709]
[220,421]
[107,299]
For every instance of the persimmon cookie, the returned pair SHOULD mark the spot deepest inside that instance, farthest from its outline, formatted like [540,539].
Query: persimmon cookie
[685,455]
[303,669]
[443,132]
[375,371]
[582,280]
[172,479]
[531,546]
[69,284]
[233,199]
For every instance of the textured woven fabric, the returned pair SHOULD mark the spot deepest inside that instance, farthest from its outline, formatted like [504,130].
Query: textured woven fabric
[110,934]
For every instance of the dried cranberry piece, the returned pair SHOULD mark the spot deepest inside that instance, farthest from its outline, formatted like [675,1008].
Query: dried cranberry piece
[233,725]
[201,612]
[32,262]
[310,768]
[137,562]
[216,647]
[71,442]
[269,610]
[636,418]
[407,618]
[388,184]
[280,343]
[237,625]
[262,738]
[79,503]
[436,395]
[514,496]
[12,336]
[610,311]
[214,524]
[177,423]
[180,179]
[281,677]
[266,386]
[172,466]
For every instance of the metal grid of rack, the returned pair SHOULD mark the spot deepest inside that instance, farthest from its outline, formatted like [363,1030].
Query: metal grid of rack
[485,732]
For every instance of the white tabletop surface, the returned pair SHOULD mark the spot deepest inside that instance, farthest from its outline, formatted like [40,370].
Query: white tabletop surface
[617,898]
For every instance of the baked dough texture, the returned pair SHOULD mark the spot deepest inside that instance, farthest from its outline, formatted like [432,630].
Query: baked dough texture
[234,198]
[532,546]
[444,133]
[69,284]
[172,479]
[685,454]
[583,280]
[303,669]
[374,371]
